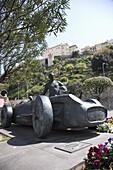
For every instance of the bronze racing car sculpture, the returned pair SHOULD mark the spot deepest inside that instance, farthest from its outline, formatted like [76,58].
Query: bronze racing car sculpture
[57,112]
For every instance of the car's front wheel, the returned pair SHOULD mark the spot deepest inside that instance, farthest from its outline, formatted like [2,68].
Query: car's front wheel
[42,116]
[6,116]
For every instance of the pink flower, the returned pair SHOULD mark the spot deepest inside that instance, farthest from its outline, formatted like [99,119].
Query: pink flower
[97,164]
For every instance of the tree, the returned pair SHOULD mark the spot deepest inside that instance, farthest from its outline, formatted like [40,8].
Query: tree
[27,71]
[29,79]
[24,25]
[76,88]
[100,57]
[86,52]
[96,63]
[97,85]
[75,54]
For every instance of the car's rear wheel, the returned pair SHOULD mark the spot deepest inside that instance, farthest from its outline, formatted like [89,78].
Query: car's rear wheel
[6,116]
[42,116]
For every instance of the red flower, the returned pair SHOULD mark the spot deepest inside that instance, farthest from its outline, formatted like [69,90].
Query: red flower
[91,149]
[106,151]
[89,155]
[97,156]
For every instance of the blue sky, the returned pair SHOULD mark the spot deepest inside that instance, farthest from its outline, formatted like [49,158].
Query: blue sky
[89,22]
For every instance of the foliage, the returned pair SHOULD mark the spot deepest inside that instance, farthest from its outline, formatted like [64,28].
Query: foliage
[106,126]
[24,25]
[97,62]
[32,76]
[69,67]
[101,157]
[75,54]
[101,56]
[97,85]
[81,67]
[63,79]
[29,75]
[86,52]
[76,77]
[56,60]
[18,92]
[26,71]
[4,137]
[86,59]
[76,88]
[37,89]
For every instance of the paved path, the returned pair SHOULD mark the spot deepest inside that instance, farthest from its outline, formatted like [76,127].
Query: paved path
[110,113]
[24,151]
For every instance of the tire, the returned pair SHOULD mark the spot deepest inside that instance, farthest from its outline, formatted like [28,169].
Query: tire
[6,116]
[42,116]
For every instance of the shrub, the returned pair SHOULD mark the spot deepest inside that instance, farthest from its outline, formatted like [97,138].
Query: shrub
[97,85]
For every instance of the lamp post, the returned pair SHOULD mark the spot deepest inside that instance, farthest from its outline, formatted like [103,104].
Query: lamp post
[27,89]
[103,68]
[18,90]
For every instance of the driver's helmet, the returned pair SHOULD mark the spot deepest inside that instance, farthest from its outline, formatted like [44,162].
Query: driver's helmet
[51,75]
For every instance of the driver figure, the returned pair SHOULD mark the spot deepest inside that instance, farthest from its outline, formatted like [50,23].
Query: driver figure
[54,87]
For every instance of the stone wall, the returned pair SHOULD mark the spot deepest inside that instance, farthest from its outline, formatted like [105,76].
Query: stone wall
[107,99]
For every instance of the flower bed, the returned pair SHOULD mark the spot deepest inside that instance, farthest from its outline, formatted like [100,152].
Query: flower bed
[101,157]
[106,126]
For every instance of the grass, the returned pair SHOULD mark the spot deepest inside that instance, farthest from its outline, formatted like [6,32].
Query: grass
[4,137]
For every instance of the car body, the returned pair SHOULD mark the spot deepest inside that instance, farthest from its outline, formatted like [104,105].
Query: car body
[57,112]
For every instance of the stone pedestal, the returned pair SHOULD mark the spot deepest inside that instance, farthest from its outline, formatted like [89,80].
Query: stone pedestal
[80,166]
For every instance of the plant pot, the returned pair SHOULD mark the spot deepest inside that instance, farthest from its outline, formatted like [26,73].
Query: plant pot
[80,166]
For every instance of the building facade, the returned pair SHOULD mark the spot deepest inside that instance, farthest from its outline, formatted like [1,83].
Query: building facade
[59,50]
[97,47]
